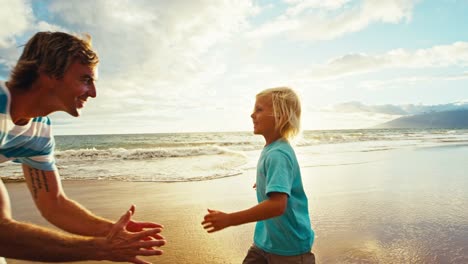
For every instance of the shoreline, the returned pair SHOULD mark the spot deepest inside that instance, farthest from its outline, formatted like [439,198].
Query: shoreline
[403,206]
[179,206]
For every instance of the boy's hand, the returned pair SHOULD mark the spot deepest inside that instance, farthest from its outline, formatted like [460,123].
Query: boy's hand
[215,221]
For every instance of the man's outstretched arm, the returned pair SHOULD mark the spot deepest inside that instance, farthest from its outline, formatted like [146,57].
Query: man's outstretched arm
[65,213]
[30,242]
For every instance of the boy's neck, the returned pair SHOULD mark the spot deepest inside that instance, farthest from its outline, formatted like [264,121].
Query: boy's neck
[271,138]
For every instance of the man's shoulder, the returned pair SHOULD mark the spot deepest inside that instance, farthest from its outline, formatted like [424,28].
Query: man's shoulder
[42,119]
[3,97]
[3,88]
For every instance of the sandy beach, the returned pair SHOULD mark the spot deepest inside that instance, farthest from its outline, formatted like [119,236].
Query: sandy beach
[397,206]
[180,207]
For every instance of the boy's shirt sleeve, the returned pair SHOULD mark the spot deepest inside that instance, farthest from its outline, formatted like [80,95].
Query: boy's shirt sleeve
[279,175]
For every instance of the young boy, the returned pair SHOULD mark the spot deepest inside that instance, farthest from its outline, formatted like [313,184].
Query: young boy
[283,233]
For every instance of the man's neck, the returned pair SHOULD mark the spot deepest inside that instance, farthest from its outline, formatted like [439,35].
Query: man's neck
[20,105]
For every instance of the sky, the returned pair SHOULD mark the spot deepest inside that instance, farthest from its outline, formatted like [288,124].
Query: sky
[192,66]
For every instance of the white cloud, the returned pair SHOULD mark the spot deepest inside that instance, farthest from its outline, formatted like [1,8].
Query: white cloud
[325,20]
[357,107]
[155,50]
[455,54]
[389,109]
[187,65]
[162,39]
[398,82]
[343,120]
[45,26]
[16,17]
[300,6]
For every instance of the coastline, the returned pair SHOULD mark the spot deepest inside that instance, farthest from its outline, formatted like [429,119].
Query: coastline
[179,206]
[401,206]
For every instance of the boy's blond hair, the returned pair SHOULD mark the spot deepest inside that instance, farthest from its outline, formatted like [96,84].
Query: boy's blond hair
[286,110]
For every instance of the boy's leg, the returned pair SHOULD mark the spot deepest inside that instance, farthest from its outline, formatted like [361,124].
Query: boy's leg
[307,258]
[255,256]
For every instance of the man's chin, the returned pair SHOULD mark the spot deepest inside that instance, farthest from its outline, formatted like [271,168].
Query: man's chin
[75,112]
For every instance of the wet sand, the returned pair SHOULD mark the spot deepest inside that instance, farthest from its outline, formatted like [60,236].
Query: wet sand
[180,207]
[400,206]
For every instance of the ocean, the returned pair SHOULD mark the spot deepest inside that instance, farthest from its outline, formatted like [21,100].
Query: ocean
[204,156]
[375,195]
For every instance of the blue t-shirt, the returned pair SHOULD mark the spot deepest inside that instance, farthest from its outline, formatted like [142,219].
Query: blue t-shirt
[31,144]
[291,233]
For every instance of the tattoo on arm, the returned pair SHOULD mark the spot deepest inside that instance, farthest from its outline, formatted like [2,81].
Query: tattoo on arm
[46,185]
[36,182]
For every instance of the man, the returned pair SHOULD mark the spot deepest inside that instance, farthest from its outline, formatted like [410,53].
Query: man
[57,72]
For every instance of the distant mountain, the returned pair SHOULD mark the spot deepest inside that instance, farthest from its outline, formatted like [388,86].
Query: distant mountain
[445,119]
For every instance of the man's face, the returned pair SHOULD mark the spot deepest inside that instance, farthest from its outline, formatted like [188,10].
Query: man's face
[76,85]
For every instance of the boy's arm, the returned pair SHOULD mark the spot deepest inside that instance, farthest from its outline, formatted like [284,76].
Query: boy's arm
[273,207]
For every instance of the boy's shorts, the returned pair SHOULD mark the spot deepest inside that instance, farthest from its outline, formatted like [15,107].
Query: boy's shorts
[258,256]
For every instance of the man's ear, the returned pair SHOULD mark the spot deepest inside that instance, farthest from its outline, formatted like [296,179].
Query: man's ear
[43,73]
[48,81]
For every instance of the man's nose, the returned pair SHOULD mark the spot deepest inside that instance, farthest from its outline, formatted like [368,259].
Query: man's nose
[92,91]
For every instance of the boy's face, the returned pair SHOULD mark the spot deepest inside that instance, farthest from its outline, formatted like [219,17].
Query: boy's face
[74,88]
[262,116]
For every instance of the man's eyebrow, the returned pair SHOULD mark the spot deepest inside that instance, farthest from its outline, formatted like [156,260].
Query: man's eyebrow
[88,76]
